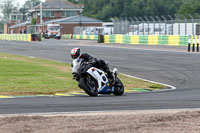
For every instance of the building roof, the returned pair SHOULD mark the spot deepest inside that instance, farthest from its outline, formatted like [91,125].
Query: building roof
[74,20]
[59,4]
[68,20]
[21,24]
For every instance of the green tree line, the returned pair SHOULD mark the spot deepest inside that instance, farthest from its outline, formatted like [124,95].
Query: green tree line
[107,9]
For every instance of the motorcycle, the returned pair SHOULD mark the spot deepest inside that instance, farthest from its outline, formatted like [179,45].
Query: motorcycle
[94,81]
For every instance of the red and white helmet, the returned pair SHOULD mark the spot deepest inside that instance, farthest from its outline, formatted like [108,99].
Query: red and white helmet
[75,53]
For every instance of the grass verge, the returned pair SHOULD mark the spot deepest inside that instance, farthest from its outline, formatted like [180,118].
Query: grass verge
[21,76]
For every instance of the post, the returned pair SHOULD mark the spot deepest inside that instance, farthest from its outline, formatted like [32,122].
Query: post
[165,24]
[177,17]
[185,24]
[142,22]
[153,24]
[189,43]
[80,19]
[147,22]
[138,27]
[193,43]
[172,24]
[132,22]
[159,23]
[198,44]
[192,23]
[40,12]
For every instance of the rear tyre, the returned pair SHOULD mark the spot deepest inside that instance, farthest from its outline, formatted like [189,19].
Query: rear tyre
[118,87]
[89,85]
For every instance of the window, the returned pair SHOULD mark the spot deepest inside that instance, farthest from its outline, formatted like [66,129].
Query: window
[52,13]
[69,13]
[46,14]
[18,17]
[14,17]
[35,15]
[63,14]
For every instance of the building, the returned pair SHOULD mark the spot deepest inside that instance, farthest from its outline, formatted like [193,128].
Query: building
[68,24]
[15,17]
[55,9]
[63,12]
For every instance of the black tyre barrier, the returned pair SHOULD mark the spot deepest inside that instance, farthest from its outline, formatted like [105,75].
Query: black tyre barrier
[100,38]
[36,37]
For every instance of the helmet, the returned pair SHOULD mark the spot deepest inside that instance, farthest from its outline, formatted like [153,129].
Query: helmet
[75,53]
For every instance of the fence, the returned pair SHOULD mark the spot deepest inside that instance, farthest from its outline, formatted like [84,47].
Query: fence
[164,25]
[78,36]
[174,40]
[16,37]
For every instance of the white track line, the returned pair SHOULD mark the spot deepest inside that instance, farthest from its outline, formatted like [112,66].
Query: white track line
[170,86]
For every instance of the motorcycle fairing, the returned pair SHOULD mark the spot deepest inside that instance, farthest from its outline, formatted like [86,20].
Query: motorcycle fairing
[100,77]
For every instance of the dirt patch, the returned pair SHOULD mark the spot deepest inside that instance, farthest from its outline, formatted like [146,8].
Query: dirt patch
[167,121]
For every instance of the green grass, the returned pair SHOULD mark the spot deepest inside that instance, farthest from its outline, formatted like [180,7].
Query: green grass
[21,76]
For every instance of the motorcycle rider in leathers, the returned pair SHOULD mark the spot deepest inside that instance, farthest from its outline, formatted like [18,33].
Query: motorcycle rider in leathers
[101,64]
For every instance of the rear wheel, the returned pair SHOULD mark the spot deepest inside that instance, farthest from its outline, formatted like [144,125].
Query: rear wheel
[118,87]
[89,85]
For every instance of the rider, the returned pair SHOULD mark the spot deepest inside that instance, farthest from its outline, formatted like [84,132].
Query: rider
[76,53]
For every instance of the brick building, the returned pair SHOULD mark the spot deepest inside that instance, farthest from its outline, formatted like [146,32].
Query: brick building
[63,12]
[68,24]
[55,9]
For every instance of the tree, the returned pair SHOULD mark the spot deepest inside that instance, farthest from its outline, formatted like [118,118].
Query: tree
[28,5]
[189,8]
[8,7]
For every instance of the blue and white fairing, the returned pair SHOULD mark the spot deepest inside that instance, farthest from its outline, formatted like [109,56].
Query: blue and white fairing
[99,75]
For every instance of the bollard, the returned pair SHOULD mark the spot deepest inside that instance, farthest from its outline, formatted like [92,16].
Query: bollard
[189,43]
[198,44]
[189,47]
[193,44]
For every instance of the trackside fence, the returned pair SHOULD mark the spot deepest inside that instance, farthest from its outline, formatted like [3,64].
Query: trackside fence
[16,37]
[174,40]
[171,40]
[80,37]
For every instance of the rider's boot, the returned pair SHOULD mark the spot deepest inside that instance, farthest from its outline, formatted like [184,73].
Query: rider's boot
[110,77]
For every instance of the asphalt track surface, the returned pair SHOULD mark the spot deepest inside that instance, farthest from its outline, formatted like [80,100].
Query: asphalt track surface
[179,69]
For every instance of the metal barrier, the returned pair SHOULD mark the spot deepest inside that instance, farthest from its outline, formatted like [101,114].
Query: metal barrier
[173,40]
[154,25]
[16,37]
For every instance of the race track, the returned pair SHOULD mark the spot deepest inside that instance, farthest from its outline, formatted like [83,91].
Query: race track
[179,69]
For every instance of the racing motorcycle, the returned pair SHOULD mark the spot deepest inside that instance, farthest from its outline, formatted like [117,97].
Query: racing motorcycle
[93,80]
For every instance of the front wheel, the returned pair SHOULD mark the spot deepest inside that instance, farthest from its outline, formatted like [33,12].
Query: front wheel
[89,85]
[118,87]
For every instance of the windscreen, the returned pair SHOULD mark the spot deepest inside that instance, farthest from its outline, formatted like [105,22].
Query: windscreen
[54,28]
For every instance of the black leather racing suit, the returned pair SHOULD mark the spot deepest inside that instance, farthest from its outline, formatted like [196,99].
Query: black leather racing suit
[101,64]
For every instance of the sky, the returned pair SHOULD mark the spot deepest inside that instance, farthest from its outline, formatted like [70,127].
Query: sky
[21,2]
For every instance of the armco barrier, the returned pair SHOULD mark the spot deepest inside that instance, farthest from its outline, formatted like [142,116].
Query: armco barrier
[15,37]
[79,37]
[174,40]
[66,36]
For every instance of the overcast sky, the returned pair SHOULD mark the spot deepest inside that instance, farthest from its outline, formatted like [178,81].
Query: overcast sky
[21,2]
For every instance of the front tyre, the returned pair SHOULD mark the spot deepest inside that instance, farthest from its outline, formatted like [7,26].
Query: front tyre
[118,87]
[89,85]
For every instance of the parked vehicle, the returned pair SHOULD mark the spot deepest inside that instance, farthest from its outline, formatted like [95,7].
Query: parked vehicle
[53,31]
[93,80]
